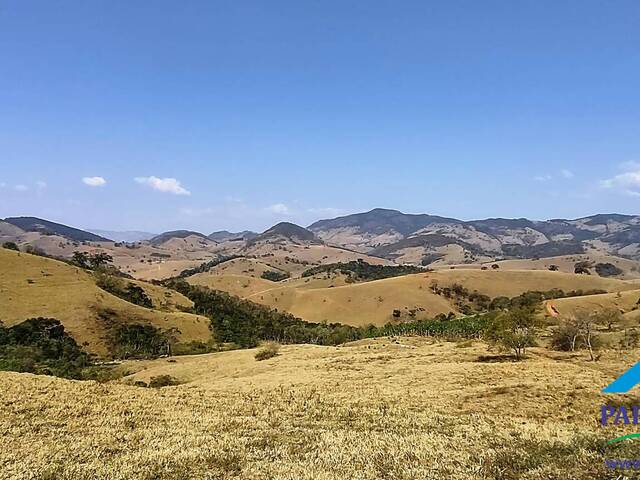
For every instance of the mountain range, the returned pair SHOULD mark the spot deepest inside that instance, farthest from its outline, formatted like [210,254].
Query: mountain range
[393,235]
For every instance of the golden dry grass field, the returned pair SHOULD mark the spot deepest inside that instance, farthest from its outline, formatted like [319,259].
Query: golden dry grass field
[403,408]
[331,300]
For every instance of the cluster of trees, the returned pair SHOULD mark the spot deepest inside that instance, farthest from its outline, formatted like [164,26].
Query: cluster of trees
[142,341]
[246,324]
[441,326]
[607,270]
[274,276]
[41,345]
[206,266]
[128,291]
[11,246]
[469,302]
[89,261]
[359,270]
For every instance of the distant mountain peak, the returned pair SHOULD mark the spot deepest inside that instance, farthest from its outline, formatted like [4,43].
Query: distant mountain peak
[166,236]
[287,230]
[45,227]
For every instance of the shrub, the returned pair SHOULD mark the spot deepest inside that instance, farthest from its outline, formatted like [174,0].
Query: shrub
[163,381]
[268,350]
[11,246]
[274,276]
[608,270]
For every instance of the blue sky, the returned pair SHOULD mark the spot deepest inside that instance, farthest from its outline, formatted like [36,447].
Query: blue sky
[225,114]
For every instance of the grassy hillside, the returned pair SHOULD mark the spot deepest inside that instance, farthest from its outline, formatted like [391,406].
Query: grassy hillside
[32,286]
[330,299]
[514,282]
[391,408]
[627,302]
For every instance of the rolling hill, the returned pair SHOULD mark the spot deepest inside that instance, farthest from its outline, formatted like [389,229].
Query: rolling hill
[33,286]
[46,227]
[329,299]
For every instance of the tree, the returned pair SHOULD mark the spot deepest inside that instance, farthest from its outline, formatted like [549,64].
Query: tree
[609,317]
[582,268]
[99,260]
[495,266]
[80,259]
[10,246]
[554,268]
[514,330]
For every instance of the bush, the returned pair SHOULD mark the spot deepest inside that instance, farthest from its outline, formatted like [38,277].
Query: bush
[274,276]
[514,330]
[268,350]
[11,246]
[608,270]
[163,381]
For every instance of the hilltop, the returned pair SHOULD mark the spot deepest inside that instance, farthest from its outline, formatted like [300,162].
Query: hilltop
[46,227]
[166,236]
[286,231]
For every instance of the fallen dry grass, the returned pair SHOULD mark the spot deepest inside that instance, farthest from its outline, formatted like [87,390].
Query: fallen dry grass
[378,409]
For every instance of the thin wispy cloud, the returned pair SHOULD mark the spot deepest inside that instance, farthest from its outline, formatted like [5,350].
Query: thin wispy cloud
[279,209]
[327,211]
[164,185]
[21,188]
[566,173]
[41,185]
[627,182]
[542,178]
[94,181]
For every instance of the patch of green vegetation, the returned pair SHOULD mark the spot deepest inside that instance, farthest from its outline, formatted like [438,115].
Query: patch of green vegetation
[468,302]
[128,291]
[11,246]
[206,266]
[142,341]
[245,323]
[163,381]
[274,276]
[41,345]
[362,271]
[607,270]
[268,350]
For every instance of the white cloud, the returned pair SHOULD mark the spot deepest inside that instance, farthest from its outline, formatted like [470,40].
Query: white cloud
[279,209]
[542,178]
[21,188]
[94,181]
[566,173]
[164,185]
[327,211]
[627,182]
[40,184]
[2,184]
